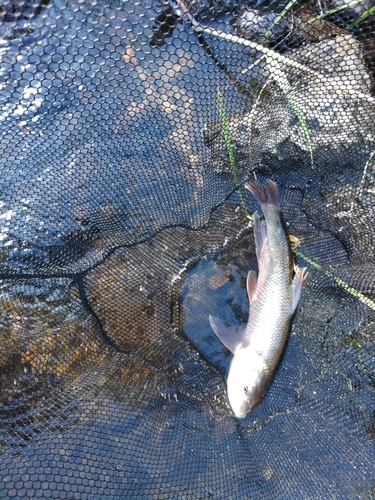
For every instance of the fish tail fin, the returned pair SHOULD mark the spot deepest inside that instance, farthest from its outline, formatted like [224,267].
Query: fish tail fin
[266,195]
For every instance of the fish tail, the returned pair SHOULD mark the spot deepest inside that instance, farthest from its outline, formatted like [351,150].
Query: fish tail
[266,195]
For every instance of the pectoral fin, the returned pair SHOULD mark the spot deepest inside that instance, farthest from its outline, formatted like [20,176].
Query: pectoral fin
[230,336]
[252,281]
[298,279]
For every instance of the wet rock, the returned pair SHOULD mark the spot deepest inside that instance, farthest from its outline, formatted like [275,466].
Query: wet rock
[315,111]
[290,31]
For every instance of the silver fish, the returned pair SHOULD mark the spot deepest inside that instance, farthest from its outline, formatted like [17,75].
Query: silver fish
[273,297]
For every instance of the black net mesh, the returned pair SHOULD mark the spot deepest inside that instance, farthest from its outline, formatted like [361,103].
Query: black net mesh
[127,132]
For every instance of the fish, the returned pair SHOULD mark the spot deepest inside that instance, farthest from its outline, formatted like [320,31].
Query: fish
[274,295]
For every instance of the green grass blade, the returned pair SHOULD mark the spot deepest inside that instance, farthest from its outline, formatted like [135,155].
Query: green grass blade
[301,119]
[228,143]
[336,9]
[362,17]
[278,19]
[355,293]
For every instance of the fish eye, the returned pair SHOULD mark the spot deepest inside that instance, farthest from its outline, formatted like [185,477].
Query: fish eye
[246,389]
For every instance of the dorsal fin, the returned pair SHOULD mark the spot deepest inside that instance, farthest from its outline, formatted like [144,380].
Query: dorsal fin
[260,234]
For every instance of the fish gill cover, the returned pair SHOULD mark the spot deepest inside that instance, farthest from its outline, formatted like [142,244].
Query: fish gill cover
[127,133]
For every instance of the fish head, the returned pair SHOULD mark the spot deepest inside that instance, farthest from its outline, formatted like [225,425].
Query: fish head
[248,381]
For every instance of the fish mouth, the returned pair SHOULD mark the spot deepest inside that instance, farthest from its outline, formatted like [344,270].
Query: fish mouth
[240,415]
[244,410]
